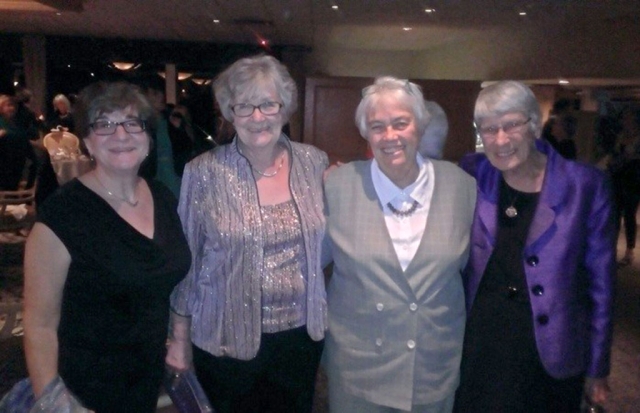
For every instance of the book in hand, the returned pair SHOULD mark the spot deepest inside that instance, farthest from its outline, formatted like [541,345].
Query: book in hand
[186,393]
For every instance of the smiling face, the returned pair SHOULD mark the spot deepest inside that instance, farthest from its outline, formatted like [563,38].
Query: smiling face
[508,151]
[259,131]
[120,152]
[392,134]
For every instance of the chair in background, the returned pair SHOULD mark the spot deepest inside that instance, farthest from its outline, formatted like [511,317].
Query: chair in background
[17,214]
[61,143]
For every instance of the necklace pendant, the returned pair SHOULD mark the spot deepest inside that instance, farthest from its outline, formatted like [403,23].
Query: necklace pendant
[511,212]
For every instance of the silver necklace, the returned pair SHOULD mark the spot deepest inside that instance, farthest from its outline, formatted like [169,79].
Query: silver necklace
[406,213]
[272,174]
[511,211]
[112,195]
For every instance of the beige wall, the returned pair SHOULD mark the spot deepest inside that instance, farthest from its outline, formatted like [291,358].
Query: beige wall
[607,50]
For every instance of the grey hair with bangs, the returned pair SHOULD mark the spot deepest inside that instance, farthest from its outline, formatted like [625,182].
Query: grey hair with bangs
[508,96]
[247,76]
[407,93]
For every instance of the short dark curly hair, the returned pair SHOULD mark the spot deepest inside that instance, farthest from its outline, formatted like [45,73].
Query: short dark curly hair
[106,97]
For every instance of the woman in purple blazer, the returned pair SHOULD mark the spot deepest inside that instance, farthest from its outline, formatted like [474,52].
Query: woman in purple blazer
[539,283]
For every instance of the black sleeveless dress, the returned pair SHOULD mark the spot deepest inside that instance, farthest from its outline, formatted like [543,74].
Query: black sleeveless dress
[115,304]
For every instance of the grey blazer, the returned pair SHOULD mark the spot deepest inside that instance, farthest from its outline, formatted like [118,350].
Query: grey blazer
[395,338]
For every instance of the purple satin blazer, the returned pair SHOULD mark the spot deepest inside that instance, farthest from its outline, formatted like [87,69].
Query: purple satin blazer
[569,261]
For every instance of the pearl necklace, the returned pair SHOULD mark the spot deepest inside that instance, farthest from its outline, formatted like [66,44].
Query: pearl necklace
[406,213]
[112,195]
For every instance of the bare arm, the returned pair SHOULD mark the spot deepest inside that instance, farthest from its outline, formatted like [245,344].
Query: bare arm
[46,264]
[179,354]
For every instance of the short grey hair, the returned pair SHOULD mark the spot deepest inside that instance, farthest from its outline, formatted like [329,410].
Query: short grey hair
[406,92]
[505,97]
[61,98]
[247,76]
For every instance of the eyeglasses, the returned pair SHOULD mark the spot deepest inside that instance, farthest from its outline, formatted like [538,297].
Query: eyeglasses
[244,110]
[106,127]
[508,128]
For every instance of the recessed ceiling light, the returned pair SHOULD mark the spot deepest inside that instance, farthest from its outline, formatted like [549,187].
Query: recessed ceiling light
[563,81]
[216,21]
[334,7]
[429,10]
[523,13]
[406,29]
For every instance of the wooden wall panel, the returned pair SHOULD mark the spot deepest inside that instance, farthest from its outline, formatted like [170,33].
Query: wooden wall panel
[330,105]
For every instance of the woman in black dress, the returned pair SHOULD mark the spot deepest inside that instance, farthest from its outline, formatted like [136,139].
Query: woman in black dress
[100,264]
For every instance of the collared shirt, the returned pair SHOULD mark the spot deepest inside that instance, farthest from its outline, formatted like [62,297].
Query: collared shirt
[405,232]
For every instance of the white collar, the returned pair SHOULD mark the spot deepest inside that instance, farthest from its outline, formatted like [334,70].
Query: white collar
[388,191]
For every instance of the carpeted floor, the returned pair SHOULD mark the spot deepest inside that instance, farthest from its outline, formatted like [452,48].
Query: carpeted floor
[625,370]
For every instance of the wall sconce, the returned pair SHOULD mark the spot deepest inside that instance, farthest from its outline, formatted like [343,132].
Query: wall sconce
[125,66]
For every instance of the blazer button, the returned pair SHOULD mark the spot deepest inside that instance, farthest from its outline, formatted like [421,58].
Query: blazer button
[537,290]
[379,306]
[413,306]
[543,319]
[533,260]
[411,344]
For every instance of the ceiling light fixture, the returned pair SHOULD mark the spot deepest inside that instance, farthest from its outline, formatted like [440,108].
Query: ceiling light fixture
[124,66]
[41,6]
[334,7]
[181,75]
[429,10]
[523,13]
[406,29]
[216,21]
[200,81]
[563,81]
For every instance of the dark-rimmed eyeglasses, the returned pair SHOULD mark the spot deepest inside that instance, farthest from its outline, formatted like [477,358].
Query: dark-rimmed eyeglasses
[509,128]
[107,127]
[244,110]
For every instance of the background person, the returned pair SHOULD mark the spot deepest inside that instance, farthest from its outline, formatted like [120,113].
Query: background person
[539,284]
[15,149]
[171,148]
[100,263]
[62,117]
[625,172]
[398,233]
[253,303]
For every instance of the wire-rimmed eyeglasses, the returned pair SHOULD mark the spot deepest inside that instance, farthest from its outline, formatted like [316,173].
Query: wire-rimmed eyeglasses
[107,127]
[508,128]
[244,110]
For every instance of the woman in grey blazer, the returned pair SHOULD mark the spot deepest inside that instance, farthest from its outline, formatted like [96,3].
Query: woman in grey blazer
[398,232]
